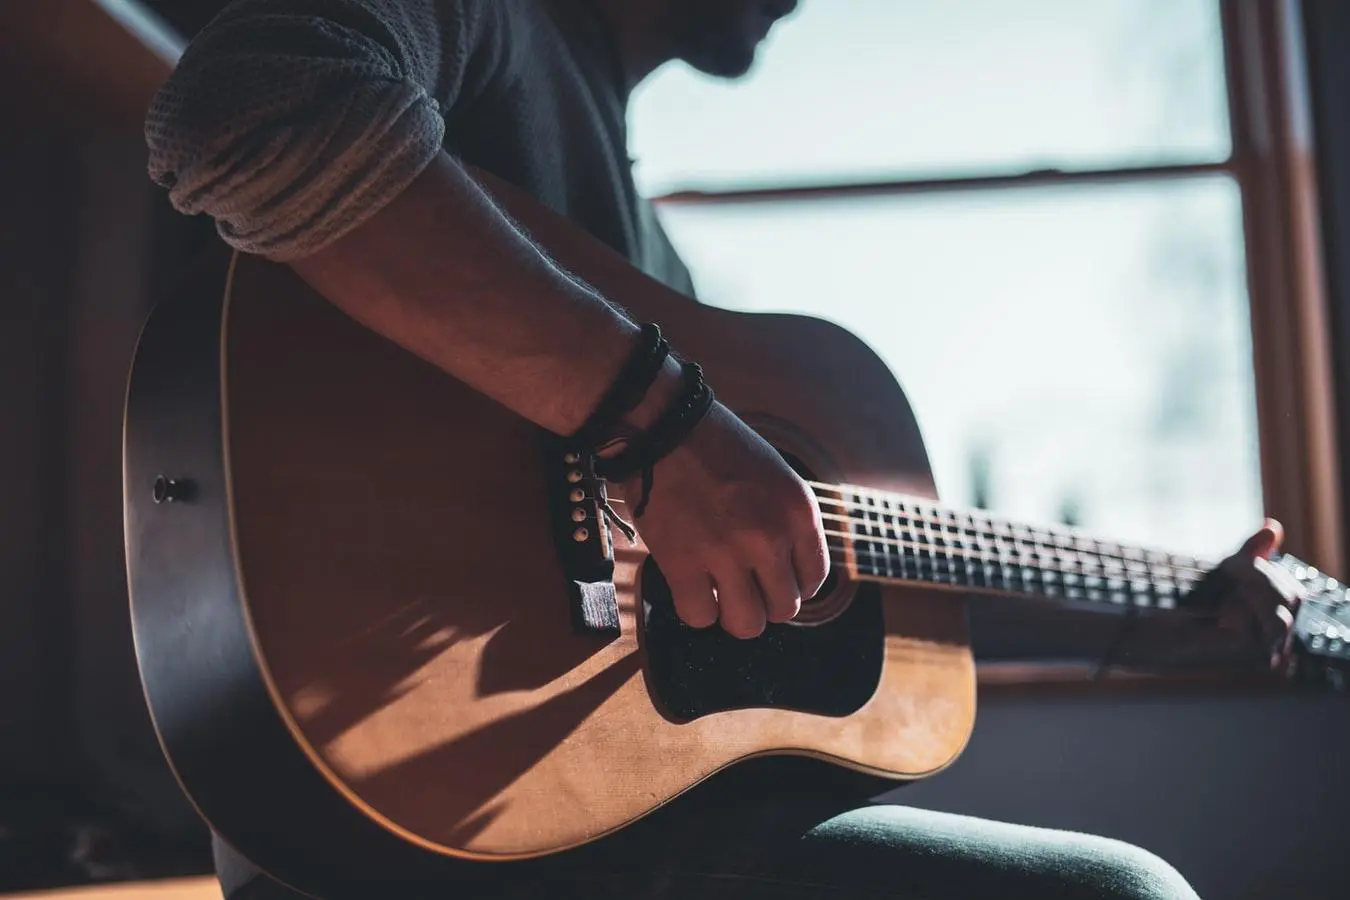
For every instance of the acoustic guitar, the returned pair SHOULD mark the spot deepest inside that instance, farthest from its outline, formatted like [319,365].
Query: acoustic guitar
[353,583]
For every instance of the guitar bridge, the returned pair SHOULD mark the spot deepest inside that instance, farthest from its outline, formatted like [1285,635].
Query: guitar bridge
[581,537]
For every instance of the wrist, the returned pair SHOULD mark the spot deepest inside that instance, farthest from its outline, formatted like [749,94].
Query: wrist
[640,449]
[663,391]
[647,357]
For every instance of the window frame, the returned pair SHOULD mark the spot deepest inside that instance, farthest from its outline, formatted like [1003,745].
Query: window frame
[1272,162]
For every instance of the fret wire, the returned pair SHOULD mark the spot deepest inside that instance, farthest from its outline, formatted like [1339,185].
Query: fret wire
[1018,584]
[1070,547]
[1154,585]
[1082,567]
[998,527]
[1074,558]
[874,530]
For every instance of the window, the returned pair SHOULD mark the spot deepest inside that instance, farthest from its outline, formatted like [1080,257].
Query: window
[849,90]
[1039,214]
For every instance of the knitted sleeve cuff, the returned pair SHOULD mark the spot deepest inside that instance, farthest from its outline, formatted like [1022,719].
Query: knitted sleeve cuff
[290,188]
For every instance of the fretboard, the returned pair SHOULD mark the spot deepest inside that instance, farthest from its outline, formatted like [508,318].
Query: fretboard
[898,539]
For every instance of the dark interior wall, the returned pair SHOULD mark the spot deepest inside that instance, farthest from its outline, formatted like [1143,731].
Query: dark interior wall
[1327,35]
[110,294]
[79,224]
[1246,795]
[35,236]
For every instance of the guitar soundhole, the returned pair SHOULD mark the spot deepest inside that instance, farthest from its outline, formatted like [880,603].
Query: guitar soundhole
[830,669]
[828,602]
[834,596]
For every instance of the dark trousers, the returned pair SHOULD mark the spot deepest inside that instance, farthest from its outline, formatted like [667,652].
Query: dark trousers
[790,839]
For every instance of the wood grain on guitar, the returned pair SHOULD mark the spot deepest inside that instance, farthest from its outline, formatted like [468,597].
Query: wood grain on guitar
[353,631]
[445,643]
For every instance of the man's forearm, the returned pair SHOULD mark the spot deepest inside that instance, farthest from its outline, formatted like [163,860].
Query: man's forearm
[443,273]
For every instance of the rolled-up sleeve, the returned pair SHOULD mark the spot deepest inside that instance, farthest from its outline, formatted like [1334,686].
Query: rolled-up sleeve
[291,122]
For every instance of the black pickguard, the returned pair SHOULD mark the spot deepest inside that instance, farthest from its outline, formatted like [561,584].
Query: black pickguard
[830,669]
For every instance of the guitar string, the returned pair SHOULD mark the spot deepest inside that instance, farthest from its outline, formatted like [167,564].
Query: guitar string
[912,509]
[1038,535]
[931,513]
[1075,557]
[879,560]
[892,561]
[1020,556]
[1043,551]
[1013,585]
[1042,556]
[880,519]
[1007,580]
[977,554]
[1098,566]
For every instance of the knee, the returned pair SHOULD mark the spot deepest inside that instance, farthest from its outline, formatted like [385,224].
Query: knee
[1126,872]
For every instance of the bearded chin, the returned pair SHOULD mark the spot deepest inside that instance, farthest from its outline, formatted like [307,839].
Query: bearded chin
[724,59]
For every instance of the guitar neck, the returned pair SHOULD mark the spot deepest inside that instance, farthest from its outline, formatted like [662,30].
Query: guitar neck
[897,539]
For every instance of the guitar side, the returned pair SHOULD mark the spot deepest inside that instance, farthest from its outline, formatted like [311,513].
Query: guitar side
[350,622]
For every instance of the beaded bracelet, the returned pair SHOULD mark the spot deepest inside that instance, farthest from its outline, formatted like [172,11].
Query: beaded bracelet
[629,387]
[645,449]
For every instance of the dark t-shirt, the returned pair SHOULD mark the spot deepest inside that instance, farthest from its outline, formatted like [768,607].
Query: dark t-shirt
[292,121]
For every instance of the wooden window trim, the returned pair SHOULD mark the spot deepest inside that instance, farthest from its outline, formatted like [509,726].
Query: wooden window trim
[1292,355]
[956,184]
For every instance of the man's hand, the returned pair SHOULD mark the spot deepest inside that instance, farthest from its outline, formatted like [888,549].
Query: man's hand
[1258,597]
[736,532]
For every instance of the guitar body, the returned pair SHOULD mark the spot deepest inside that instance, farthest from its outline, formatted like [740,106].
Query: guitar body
[350,612]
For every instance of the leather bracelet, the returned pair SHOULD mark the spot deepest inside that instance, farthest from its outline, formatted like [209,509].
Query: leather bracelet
[629,387]
[645,449]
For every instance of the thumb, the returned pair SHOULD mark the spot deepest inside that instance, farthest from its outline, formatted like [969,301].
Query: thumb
[1265,542]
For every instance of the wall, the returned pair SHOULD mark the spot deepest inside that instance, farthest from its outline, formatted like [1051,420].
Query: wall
[1327,29]
[1245,795]
[110,291]
[77,227]
[34,235]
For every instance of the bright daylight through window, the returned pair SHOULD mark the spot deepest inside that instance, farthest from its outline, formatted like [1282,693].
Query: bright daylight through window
[1075,352]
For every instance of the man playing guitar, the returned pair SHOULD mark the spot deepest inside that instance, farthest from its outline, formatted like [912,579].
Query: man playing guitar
[354,140]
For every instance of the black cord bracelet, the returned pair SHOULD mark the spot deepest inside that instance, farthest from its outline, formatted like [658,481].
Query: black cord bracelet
[629,387]
[645,449]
